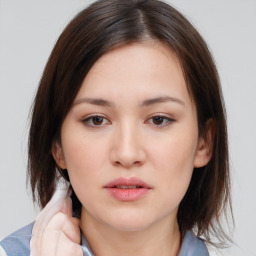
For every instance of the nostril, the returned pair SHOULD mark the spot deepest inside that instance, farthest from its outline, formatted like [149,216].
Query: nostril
[127,164]
[127,154]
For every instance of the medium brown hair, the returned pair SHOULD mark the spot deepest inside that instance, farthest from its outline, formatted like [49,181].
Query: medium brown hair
[96,30]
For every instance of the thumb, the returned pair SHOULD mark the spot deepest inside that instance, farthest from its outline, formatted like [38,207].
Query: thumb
[66,206]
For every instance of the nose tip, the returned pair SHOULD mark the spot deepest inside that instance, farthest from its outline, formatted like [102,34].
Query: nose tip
[128,151]
[127,163]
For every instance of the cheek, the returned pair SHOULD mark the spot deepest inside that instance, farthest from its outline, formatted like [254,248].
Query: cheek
[83,165]
[175,162]
[176,152]
[82,153]
[84,157]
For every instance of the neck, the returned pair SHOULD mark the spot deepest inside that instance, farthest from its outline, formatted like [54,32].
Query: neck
[159,239]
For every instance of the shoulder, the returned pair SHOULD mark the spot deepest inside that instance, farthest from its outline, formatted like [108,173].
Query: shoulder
[193,246]
[18,243]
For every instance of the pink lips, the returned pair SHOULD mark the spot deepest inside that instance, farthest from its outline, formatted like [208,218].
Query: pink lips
[127,189]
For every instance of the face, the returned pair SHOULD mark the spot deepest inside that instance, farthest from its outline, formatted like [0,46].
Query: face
[130,141]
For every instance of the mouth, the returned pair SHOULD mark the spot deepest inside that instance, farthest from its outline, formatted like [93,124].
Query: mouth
[127,189]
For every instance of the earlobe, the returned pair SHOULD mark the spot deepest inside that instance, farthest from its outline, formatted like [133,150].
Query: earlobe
[205,145]
[58,155]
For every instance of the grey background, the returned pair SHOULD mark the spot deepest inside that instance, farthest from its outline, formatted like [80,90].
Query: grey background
[28,31]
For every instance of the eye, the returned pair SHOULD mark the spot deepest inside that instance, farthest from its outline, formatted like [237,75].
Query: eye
[160,120]
[95,121]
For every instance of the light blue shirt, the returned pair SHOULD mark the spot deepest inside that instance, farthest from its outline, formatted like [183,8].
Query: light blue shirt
[18,244]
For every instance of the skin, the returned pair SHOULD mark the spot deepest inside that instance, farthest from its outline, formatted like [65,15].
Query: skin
[128,139]
[55,232]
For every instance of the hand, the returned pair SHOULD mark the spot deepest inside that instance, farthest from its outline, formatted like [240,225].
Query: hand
[55,232]
[61,237]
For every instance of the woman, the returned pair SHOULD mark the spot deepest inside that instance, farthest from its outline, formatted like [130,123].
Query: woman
[130,111]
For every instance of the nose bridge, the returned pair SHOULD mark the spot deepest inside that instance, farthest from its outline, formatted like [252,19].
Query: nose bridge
[128,145]
[128,137]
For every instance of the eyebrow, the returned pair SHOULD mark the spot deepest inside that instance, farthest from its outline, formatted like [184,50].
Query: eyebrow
[164,99]
[145,103]
[94,101]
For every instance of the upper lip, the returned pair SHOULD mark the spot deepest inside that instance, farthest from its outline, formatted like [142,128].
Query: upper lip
[132,181]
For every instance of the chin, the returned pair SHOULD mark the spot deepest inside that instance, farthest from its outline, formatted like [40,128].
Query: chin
[128,223]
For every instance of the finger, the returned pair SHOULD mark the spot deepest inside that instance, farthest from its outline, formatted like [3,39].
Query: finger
[66,207]
[34,246]
[41,223]
[61,232]
[68,248]
[49,241]
[59,202]
[58,244]
[68,225]
[54,206]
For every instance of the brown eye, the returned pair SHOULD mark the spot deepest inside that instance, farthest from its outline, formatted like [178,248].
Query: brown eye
[97,120]
[158,120]
[94,121]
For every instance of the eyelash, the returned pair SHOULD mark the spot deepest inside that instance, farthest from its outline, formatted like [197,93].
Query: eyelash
[89,121]
[167,120]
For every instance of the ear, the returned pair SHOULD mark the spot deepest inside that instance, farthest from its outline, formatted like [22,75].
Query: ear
[205,145]
[58,155]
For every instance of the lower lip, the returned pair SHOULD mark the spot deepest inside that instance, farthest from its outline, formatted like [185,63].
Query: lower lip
[128,194]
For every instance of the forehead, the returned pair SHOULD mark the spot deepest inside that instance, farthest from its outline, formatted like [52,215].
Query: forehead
[139,69]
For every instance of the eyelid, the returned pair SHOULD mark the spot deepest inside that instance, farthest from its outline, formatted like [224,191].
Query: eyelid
[86,119]
[169,119]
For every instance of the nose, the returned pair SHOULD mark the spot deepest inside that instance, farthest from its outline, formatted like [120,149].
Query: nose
[127,147]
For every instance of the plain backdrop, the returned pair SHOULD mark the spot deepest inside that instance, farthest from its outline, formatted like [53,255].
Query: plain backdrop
[28,31]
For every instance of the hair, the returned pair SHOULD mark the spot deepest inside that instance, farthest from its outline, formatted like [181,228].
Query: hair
[102,26]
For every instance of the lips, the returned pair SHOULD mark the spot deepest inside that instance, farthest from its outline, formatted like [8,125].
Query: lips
[127,182]
[127,189]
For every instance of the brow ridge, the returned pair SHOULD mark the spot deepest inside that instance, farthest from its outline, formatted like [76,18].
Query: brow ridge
[94,101]
[163,99]
[145,103]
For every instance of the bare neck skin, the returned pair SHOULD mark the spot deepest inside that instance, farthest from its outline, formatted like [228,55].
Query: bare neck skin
[159,239]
